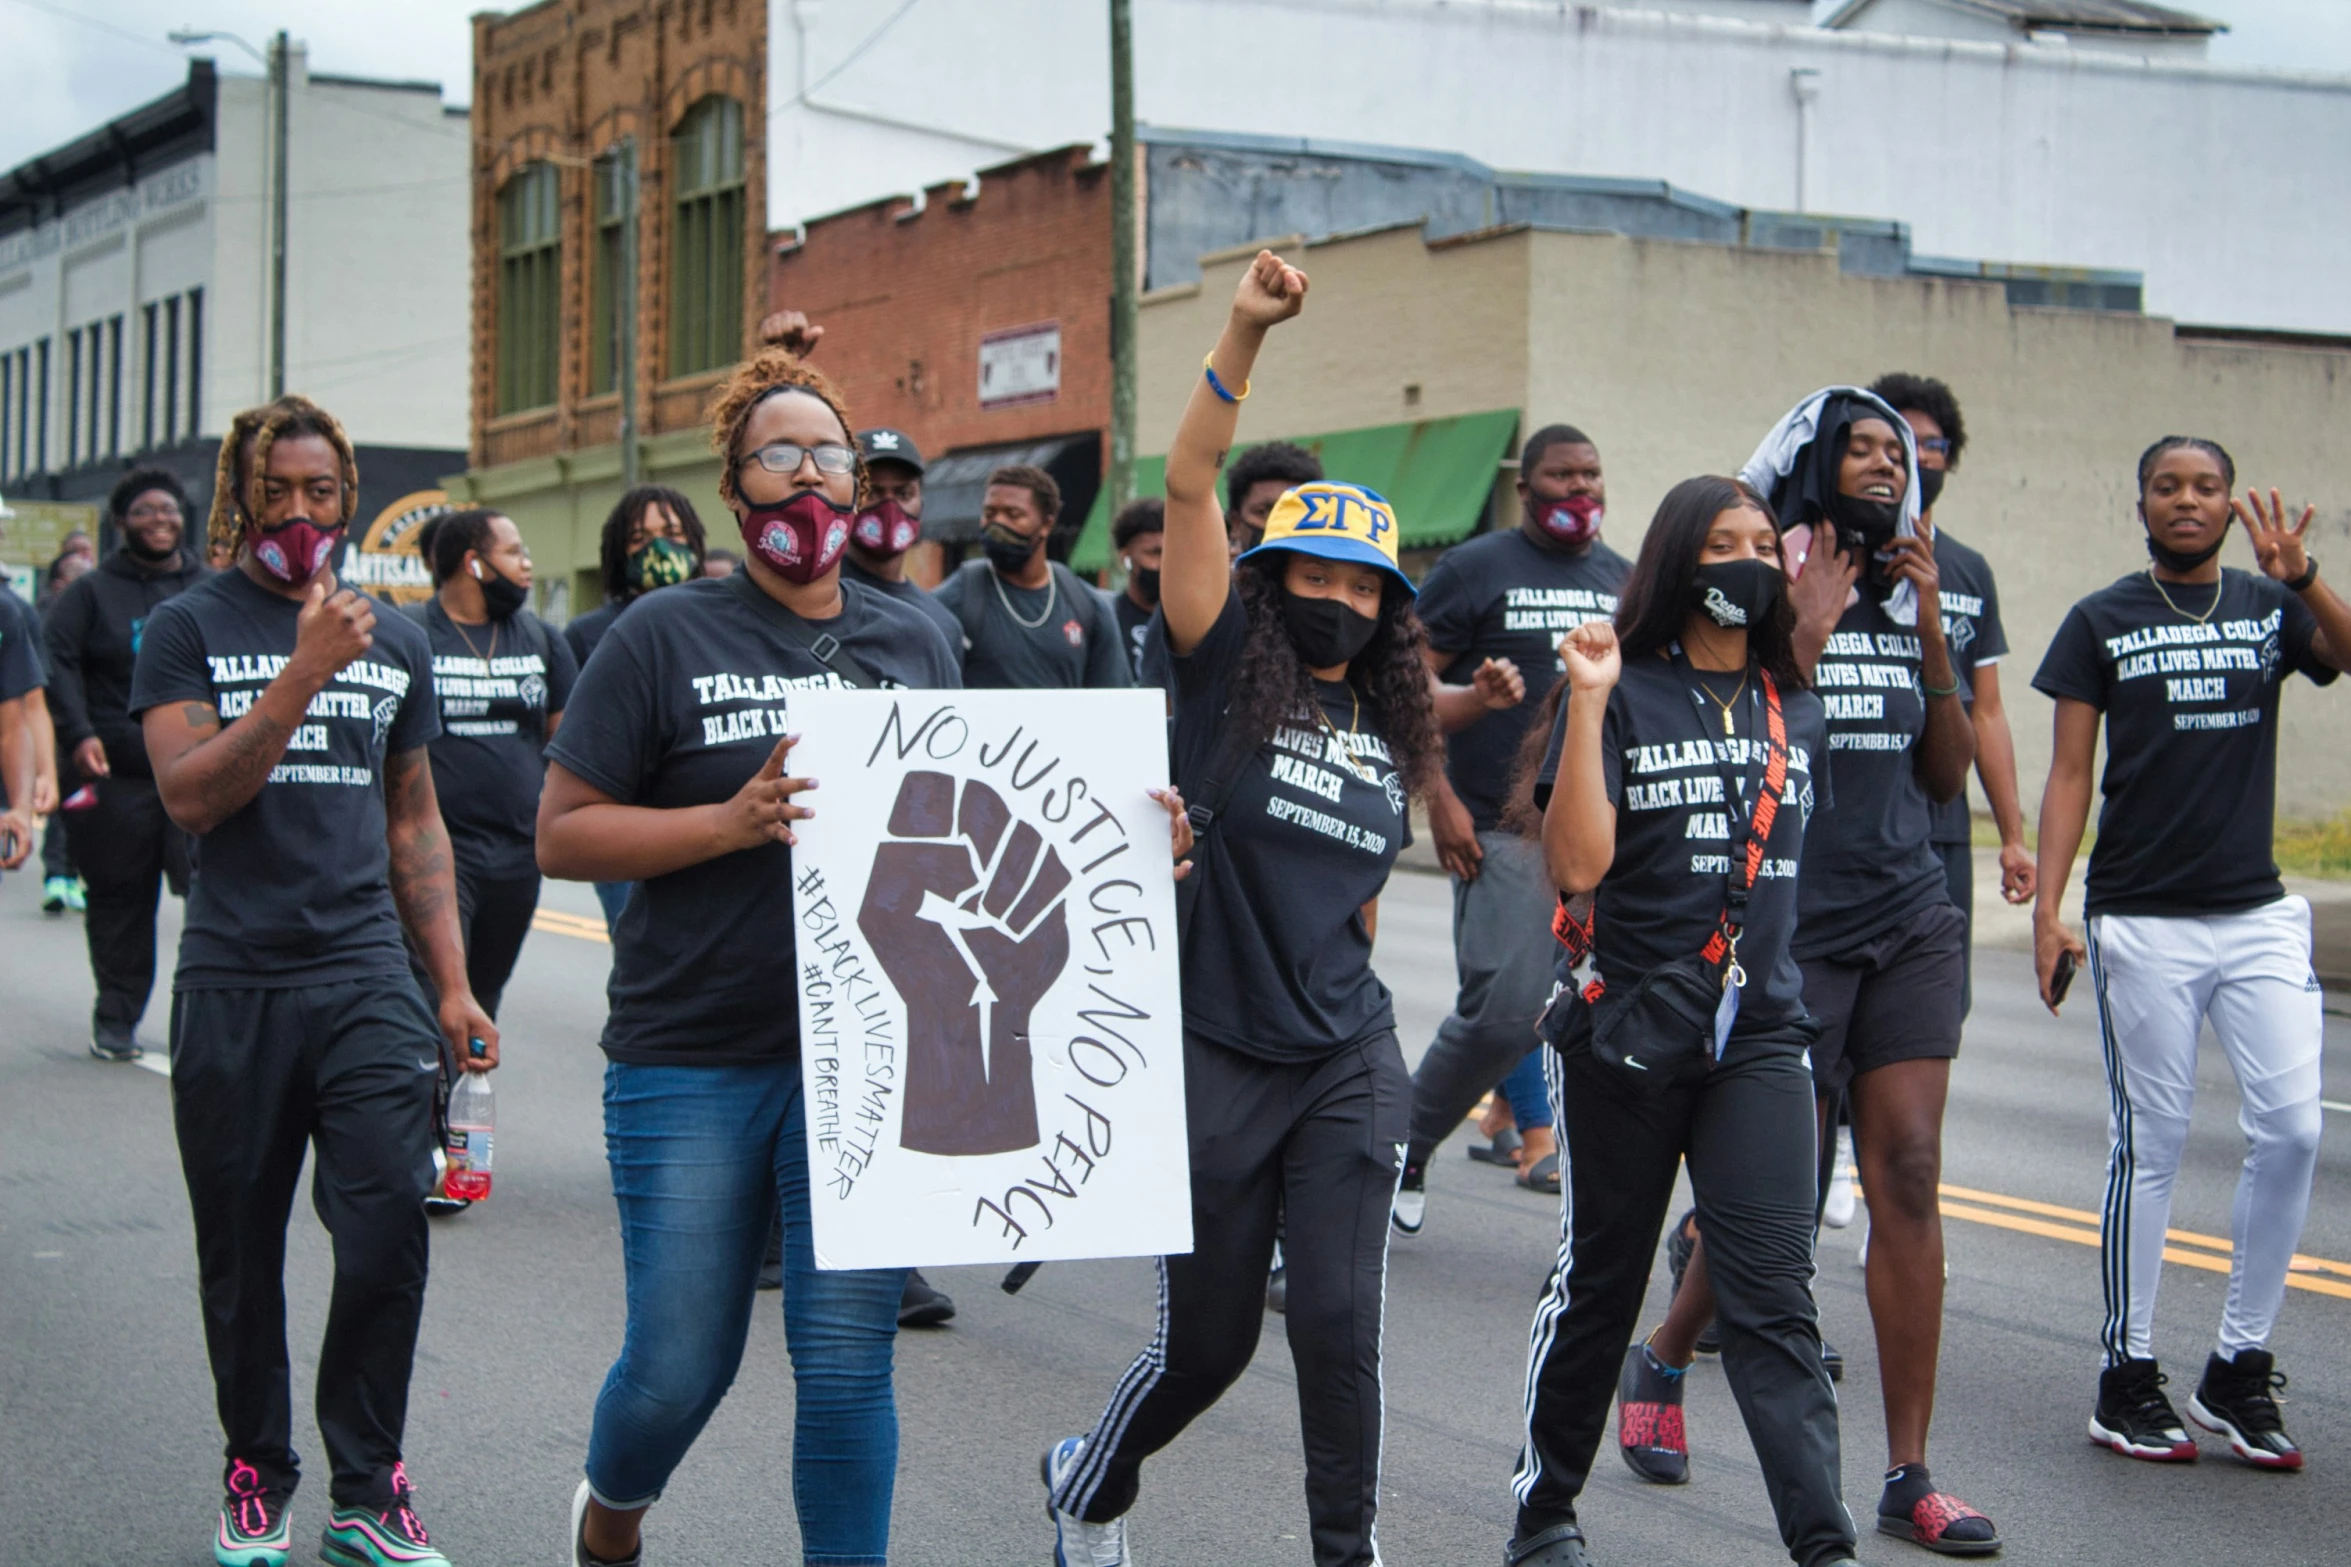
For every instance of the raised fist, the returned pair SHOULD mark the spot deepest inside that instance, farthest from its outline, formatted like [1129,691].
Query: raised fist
[966,915]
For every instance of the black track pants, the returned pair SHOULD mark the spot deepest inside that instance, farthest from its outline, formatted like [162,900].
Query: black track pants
[1749,1136]
[1323,1140]
[255,1075]
[126,848]
[493,917]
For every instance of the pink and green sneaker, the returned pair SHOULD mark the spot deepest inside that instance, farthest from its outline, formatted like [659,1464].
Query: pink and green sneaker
[252,1522]
[392,1537]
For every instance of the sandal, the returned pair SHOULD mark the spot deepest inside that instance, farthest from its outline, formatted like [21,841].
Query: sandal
[1542,1176]
[1503,1150]
[1934,1519]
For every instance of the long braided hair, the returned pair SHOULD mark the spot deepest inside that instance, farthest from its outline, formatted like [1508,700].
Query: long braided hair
[763,375]
[244,453]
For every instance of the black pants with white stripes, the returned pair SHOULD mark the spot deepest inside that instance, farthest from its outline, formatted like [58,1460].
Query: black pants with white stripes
[1748,1134]
[1322,1140]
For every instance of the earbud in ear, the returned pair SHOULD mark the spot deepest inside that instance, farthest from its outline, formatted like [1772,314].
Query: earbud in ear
[477,569]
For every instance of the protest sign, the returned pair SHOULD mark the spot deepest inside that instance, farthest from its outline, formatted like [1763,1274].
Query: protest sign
[989,1020]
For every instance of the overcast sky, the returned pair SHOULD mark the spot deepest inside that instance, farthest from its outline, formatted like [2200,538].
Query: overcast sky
[68,66]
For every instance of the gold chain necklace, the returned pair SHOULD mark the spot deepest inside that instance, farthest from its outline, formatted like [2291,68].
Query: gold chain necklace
[2210,609]
[1354,726]
[1729,732]
[468,641]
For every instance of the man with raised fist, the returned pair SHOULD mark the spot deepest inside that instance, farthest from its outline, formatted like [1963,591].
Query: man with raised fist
[287,726]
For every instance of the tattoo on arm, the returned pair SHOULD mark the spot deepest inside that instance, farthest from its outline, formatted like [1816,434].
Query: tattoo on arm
[423,876]
[239,760]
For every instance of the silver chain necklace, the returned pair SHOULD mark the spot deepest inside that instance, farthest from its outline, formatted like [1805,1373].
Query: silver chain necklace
[1052,593]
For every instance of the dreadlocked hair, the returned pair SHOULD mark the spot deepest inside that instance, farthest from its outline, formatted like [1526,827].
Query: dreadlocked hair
[766,374]
[244,453]
[1272,687]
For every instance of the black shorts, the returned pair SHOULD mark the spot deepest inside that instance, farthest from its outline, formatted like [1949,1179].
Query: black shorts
[1896,997]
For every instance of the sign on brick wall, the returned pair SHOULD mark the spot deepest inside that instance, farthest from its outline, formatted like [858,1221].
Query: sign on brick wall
[1021,365]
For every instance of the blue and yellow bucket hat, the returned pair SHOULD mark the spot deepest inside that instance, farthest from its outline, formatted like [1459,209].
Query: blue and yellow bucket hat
[1337,522]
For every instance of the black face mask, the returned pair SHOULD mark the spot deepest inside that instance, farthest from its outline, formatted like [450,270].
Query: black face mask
[1738,595]
[1864,525]
[1006,550]
[500,595]
[1930,485]
[2180,560]
[1325,632]
[1146,581]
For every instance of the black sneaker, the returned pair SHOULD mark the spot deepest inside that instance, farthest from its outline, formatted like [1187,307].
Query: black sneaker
[1649,1429]
[922,1306]
[1832,1361]
[113,1042]
[2238,1399]
[2135,1419]
[1277,1290]
[253,1530]
[1912,1508]
[1411,1206]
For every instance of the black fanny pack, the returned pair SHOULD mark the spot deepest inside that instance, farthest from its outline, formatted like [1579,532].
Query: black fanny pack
[1664,1032]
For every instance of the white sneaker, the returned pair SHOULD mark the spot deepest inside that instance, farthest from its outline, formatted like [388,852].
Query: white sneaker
[1077,1543]
[1838,1211]
[1411,1207]
[578,1555]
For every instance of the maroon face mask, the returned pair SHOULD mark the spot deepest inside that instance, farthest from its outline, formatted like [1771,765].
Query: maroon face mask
[885,529]
[801,539]
[295,552]
[1575,520]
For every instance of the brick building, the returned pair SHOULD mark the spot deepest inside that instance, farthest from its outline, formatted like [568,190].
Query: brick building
[974,316]
[559,89]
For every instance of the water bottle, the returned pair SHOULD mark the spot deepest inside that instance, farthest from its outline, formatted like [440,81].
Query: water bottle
[473,1126]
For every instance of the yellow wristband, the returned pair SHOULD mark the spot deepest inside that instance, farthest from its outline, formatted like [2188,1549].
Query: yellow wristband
[1208,367]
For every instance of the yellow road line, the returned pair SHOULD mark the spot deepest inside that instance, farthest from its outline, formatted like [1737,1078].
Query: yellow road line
[2300,1264]
[556,922]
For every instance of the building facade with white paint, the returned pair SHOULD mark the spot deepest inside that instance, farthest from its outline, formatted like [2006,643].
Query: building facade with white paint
[134,283]
[2218,186]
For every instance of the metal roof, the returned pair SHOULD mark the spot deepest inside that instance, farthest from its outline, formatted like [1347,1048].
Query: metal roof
[2081,16]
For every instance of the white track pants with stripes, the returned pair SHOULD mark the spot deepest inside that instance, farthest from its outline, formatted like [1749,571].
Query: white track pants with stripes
[2158,979]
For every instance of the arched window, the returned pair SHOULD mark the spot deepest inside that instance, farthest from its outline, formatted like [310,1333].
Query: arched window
[706,270]
[529,282]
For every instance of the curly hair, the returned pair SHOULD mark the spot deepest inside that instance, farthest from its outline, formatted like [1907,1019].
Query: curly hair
[1284,460]
[244,453]
[1035,480]
[1271,685]
[1907,393]
[612,550]
[142,481]
[770,373]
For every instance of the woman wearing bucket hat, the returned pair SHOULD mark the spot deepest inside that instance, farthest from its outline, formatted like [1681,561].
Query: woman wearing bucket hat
[1302,722]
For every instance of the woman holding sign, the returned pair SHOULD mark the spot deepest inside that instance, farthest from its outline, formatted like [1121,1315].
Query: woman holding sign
[1302,720]
[1685,726]
[670,771]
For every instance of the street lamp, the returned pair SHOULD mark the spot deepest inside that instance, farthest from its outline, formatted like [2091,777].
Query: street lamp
[275,180]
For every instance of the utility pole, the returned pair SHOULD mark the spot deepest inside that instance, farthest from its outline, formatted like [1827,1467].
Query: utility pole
[627,283]
[1123,305]
[280,88]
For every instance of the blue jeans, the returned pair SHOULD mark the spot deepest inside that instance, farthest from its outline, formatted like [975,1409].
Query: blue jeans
[612,897]
[1530,1101]
[700,1157]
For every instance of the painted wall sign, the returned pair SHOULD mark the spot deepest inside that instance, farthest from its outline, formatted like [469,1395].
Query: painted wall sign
[1021,365]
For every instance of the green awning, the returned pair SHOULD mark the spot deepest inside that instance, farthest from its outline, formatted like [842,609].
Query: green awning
[1438,473]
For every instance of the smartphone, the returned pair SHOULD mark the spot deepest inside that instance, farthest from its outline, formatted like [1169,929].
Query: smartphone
[2062,980]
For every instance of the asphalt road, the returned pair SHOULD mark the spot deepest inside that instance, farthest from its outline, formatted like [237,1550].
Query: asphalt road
[109,1451]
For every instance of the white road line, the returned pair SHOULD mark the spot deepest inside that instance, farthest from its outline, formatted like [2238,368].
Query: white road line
[155,1061]
[2334,1104]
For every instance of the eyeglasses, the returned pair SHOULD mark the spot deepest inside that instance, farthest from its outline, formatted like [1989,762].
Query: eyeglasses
[785,457]
[1936,444]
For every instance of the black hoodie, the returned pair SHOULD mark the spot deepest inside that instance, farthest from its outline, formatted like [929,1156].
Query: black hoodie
[92,633]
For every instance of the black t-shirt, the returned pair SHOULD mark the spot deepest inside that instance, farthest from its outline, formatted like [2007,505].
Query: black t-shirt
[1971,627]
[295,888]
[20,646]
[1134,626]
[909,592]
[1870,863]
[1057,637]
[2191,735]
[496,693]
[583,631]
[1502,595]
[1663,757]
[683,702]
[1276,960]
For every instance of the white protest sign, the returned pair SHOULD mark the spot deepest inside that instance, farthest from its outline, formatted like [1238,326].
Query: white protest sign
[989,1016]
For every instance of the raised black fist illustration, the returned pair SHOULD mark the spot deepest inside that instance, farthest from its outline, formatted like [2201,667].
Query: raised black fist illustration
[965,912]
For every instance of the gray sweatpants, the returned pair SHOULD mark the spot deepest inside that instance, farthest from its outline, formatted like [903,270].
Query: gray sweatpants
[1503,953]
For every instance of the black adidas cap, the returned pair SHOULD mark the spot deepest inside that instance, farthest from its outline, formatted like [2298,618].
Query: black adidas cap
[889,446]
